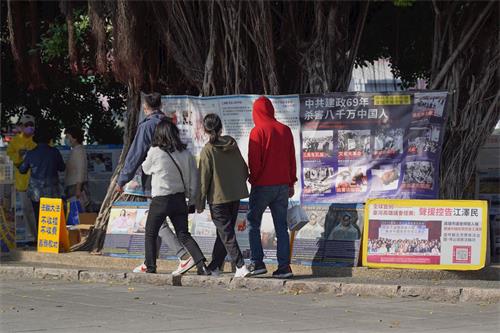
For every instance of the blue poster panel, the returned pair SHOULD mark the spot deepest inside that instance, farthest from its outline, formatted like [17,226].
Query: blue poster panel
[356,146]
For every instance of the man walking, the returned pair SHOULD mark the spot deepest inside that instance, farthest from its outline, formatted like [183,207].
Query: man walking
[271,159]
[135,156]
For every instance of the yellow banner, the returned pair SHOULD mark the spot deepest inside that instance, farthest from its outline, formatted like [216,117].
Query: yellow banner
[52,233]
[425,234]
[391,100]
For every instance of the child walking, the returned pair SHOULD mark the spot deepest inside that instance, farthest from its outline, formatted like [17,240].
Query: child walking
[174,178]
[223,175]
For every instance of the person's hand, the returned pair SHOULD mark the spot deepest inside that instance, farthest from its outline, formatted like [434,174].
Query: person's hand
[291,191]
[119,188]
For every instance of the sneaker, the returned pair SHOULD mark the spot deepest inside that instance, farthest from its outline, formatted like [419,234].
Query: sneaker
[257,268]
[283,273]
[216,272]
[204,270]
[140,269]
[242,272]
[184,266]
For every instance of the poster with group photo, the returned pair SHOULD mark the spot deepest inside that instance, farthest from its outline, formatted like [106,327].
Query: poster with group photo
[425,234]
[357,146]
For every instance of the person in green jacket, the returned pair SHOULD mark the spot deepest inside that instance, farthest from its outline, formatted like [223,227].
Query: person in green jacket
[223,175]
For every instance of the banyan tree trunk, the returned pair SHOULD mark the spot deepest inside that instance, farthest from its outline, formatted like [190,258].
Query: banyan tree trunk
[466,63]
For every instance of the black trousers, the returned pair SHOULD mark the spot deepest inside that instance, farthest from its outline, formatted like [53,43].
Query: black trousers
[224,217]
[174,206]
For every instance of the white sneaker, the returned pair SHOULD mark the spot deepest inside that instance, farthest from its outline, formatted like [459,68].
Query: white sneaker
[216,272]
[242,272]
[140,269]
[184,266]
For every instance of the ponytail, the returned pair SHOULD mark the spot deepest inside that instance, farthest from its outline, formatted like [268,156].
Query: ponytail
[212,126]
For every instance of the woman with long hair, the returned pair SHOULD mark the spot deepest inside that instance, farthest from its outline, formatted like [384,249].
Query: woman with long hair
[174,178]
[223,175]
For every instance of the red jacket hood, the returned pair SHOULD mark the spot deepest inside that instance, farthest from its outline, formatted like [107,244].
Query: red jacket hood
[263,111]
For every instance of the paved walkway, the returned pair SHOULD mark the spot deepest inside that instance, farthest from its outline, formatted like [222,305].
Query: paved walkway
[35,305]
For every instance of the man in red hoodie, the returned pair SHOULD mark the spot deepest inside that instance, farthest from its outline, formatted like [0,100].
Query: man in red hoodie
[271,159]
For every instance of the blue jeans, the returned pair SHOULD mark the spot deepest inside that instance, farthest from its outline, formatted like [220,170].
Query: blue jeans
[276,198]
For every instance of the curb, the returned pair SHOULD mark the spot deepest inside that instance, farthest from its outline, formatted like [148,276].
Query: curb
[430,293]
[100,262]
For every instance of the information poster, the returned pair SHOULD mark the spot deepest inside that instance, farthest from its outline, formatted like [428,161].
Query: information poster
[236,114]
[425,234]
[102,160]
[367,145]
[332,237]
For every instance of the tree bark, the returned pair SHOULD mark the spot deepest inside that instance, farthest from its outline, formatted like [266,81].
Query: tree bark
[74,60]
[467,66]
[17,38]
[97,19]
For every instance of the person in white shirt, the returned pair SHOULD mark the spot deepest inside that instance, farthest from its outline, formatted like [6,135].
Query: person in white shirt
[174,178]
[76,175]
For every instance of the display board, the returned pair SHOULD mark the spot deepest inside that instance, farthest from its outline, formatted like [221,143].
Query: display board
[126,228]
[425,234]
[349,147]
[332,237]
[7,204]
[102,160]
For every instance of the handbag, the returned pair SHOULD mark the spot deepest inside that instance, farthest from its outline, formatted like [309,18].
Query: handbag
[296,217]
[191,208]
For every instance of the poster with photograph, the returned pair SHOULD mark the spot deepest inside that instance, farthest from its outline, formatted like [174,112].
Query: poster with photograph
[388,143]
[419,175]
[429,104]
[354,145]
[127,225]
[318,179]
[317,145]
[332,237]
[383,145]
[424,140]
[425,234]
[352,179]
[386,177]
[125,231]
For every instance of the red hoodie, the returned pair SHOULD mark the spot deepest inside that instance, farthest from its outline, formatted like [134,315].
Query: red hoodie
[271,154]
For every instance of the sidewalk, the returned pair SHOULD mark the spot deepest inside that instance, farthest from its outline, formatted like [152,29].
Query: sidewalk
[85,259]
[476,287]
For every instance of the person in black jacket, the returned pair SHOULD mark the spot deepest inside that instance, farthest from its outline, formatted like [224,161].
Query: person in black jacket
[135,157]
